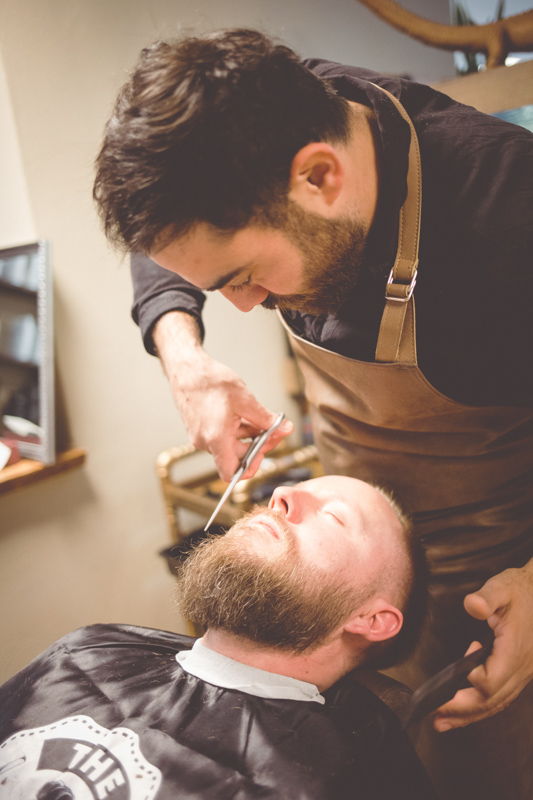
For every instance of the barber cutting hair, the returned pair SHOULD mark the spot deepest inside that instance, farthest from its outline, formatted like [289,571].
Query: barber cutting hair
[343,198]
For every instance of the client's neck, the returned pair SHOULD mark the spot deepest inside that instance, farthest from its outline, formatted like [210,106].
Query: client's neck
[322,667]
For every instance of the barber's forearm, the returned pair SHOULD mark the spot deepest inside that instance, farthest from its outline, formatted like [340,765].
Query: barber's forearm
[178,341]
[217,408]
[157,292]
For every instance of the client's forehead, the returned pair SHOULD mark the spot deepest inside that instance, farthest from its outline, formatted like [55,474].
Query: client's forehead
[369,504]
[350,490]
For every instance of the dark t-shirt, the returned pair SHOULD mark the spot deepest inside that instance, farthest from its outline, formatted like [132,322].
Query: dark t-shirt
[475,280]
[108,709]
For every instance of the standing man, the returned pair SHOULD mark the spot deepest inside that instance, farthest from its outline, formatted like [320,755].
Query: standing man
[329,192]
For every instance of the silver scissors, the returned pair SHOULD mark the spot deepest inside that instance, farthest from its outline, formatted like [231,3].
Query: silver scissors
[249,456]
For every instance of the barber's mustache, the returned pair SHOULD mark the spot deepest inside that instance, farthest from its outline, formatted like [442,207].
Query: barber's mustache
[288,302]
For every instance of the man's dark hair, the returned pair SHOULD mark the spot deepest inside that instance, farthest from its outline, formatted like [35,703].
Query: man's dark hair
[205,130]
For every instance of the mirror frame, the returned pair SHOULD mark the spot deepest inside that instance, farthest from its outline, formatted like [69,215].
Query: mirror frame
[45,450]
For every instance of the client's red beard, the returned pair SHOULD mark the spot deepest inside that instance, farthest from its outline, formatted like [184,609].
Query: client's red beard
[274,599]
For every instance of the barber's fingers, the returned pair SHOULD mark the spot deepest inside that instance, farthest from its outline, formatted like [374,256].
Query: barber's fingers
[468,705]
[219,411]
[472,705]
[505,602]
[229,450]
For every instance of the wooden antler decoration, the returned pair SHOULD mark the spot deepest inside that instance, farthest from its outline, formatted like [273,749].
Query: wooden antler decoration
[496,39]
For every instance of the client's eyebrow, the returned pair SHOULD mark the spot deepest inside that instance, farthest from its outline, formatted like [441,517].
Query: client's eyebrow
[338,518]
[225,279]
[339,515]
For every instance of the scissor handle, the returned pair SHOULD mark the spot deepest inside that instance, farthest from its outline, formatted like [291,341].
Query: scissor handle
[258,443]
[249,456]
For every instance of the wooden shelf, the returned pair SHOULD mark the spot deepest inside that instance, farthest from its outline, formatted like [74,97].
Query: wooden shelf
[494,90]
[28,471]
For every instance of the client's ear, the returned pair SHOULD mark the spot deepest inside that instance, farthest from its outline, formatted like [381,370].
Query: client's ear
[377,622]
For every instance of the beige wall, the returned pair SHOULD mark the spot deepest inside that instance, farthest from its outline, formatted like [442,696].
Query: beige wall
[82,547]
[16,218]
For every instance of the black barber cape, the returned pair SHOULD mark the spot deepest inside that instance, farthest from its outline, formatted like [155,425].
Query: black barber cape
[106,712]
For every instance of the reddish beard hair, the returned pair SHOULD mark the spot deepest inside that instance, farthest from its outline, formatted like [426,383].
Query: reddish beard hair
[275,600]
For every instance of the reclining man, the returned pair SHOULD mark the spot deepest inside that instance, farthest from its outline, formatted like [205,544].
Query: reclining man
[294,597]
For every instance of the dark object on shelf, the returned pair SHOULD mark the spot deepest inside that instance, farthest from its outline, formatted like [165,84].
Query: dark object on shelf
[24,403]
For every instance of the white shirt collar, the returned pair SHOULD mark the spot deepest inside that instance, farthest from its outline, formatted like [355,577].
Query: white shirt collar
[212,667]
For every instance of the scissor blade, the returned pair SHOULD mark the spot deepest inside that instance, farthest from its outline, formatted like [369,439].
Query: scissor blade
[227,492]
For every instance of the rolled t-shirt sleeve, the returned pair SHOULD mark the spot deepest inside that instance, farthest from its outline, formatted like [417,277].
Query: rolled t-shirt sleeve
[156,291]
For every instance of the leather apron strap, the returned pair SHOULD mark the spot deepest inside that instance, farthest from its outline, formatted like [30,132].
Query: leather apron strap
[397,334]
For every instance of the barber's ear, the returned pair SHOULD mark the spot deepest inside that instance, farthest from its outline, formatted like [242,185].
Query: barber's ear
[378,622]
[316,177]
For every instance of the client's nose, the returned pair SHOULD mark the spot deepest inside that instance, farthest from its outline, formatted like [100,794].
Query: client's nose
[286,500]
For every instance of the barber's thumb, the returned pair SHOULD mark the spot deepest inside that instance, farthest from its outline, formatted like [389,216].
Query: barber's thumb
[257,414]
[481,604]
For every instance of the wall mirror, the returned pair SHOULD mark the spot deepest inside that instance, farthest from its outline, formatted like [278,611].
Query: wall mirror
[27,409]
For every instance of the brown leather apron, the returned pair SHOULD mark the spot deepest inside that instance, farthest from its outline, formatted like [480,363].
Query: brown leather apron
[464,473]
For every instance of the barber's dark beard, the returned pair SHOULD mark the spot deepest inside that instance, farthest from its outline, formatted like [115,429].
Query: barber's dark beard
[333,256]
[272,599]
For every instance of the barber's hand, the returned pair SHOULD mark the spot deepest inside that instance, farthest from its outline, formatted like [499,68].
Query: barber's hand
[506,602]
[219,411]
[217,408]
